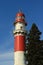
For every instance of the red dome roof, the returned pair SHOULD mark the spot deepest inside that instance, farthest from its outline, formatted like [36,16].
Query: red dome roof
[20,14]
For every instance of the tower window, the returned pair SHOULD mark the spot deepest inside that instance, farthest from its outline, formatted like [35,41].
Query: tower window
[21,27]
[22,17]
[18,17]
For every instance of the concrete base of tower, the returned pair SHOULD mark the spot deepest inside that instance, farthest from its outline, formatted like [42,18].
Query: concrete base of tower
[19,58]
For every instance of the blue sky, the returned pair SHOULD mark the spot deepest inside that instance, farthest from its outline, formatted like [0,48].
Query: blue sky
[33,10]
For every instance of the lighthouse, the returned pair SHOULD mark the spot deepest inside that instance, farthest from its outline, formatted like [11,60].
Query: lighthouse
[19,38]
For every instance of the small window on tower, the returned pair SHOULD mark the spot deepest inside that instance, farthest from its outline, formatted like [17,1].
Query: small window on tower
[23,17]
[18,17]
[21,27]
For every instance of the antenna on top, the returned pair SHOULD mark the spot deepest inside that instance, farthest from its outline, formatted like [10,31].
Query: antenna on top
[20,10]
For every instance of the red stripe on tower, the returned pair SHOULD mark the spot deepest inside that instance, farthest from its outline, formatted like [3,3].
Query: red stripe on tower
[19,43]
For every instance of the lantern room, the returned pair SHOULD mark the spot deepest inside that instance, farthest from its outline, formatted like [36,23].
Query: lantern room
[20,17]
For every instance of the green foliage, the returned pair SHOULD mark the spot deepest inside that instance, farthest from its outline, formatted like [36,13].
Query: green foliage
[32,53]
[34,34]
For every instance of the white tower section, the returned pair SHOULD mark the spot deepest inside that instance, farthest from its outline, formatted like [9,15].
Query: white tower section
[20,28]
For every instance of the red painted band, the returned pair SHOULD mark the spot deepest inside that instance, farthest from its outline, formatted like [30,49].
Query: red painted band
[20,14]
[19,44]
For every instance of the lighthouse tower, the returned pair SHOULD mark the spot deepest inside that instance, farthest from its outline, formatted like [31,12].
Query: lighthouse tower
[19,39]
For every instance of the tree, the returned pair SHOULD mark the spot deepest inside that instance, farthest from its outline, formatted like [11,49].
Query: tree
[32,46]
[41,52]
